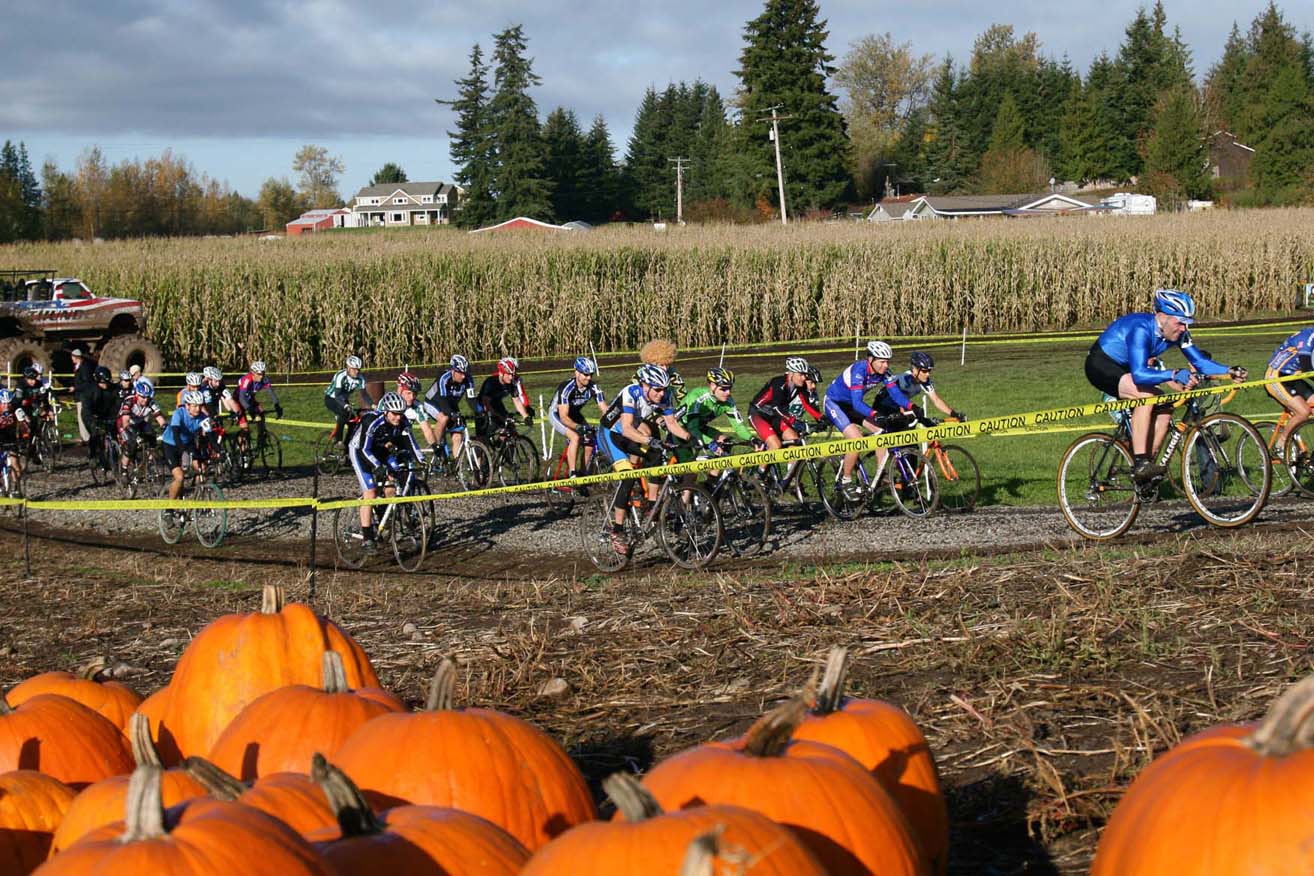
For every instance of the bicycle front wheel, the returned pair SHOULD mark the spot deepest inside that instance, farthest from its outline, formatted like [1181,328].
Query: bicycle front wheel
[101,473]
[518,463]
[689,527]
[1299,459]
[474,466]
[1095,489]
[606,553]
[560,498]
[1226,470]
[410,535]
[210,524]
[271,454]
[745,515]
[959,477]
[171,522]
[913,483]
[841,501]
[329,454]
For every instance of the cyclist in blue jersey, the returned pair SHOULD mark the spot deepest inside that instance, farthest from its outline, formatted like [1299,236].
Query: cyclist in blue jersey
[443,402]
[183,434]
[912,383]
[378,449]
[566,413]
[1293,356]
[847,409]
[337,397]
[408,387]
[1121,363]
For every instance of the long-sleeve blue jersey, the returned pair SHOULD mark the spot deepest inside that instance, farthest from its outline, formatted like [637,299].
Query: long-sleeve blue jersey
[851,384]
[382,438]
[1294,354]
[1133,340]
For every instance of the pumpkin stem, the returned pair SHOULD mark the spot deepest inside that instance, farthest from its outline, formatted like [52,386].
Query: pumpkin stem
[700,858]
[93,669]
[771,733]
[830,696]
[633,800]
[442,690]
[5,708]
[355,815]
[272,599]
[335,674]
[144,751]
[1289,725]
[144,814]
[215,781]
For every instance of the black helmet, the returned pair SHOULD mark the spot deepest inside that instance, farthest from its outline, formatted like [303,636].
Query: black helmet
[31,372]
[922,360]
[102,374]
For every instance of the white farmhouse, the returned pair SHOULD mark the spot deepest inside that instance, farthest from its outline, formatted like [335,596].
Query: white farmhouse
[408,203]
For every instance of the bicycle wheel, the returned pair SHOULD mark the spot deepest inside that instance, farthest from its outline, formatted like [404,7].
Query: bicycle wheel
[50,431]
[101,472]
[840,502]
[913,483]
[689,527]
[474,467]
[42,455]
[171,523]
[330,454]
[210,524]
[1096,494]
[595,521]
[1226,470]
[1282,480]
[518,462]
[745,515]
[234,459]
[805,489]
[410,535]
[560,499]
[1300,458]
[270,454]
[959,477]
[347,538]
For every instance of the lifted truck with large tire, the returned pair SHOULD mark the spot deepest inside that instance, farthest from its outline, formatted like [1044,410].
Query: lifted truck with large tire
[43,317]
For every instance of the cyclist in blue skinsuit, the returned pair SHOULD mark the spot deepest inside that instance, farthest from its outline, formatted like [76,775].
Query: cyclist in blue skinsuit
[1119,364]
[1293,356]
[187,426]
[849,412]
[443,402]
[380,448]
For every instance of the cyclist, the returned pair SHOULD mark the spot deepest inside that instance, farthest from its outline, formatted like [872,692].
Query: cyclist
[796,407]
[13,431]
[100,406]
[705,405]
[378,448]
[181,435]
[1119,364]
[769,414]
[1293,356]
[912,383]
[192,383]
[218,398]
[408,387]
[249,387]
[337,397]
[504,381]
[567,411]
[125,384]
[442,401]
[33,394]
[139,417]
[847,409]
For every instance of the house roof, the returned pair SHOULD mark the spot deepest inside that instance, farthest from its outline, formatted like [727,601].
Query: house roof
[520,222]
[978,205]
[415,189]
[313,217]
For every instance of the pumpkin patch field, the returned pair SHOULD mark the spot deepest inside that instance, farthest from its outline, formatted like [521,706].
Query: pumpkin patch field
[1055,711]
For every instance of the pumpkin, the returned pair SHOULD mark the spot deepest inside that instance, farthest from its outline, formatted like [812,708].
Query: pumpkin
[166,746]
[848,821]
[61,738]
[644,839]
[280,730]
[1231,799]
[415,840]
[32,805]
[478,760]
[884,739]
[293,798]
[241,656]
[201,837]
[103,802]
[113,699]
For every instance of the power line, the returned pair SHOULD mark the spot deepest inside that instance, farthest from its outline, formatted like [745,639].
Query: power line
[679,187]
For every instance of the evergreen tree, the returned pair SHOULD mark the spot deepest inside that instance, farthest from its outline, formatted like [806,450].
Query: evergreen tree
[645,158]
[784,63]
[1007,132]
[1283,167]
[950,160]
[1002,65]
[520,184]
[1009,165]
[1224,86]
[709,169]
[389,173]
[1149,63]
[563,148]
[1176,151]
[599,178]
[60,210]
[471,146]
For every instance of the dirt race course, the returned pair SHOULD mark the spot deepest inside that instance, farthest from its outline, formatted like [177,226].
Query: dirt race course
[1045,673]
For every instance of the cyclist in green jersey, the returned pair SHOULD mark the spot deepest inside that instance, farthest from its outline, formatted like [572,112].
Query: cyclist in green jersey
[702,406]
[337,397]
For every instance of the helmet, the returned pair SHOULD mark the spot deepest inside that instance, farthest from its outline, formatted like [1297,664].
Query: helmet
[193,378]
[814,374]
[193,397]
[1175,303]
[460,363]
[407,380]
[922,360]
[257,367]
[879,350]
[391,403]
[125,375]
[676,379]
[6,396]
[38,368]
[212,373]
[654,375]
[102,375]
[354,362]
[508,365]
[146,389]
[32,372]
[796,365]
[721,377]
[584,365]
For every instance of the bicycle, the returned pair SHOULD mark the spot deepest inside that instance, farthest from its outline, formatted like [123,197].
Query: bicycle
[956,471]
[104,458]
[405,524]
[1226,472]
[471,465]
[141,466]
[512,455]
[43,445]
[561,499]
[1293,466]
[744,505]
[331,450]
[210,525]
[794,481]
[266,449]
[11,481]
[905,474]
[684,519]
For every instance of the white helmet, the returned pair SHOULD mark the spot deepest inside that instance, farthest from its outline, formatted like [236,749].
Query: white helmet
[654,375]
[796,365]
[192,397]
[193,378]
[879,350]
[354,362]
[257,367]
[392,403]
[212,373]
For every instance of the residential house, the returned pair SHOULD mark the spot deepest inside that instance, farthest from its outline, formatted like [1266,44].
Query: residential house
[891,209]
[408,203]
[976,206]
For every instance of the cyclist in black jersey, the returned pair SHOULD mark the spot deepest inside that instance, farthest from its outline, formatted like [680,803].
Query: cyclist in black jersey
[442,401]
[502,383]
[566,413]
[769,412]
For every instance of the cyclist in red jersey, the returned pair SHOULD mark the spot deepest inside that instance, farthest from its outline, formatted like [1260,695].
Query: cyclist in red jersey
[769,414]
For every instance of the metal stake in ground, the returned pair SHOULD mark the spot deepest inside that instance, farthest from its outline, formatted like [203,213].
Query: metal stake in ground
[27,547]
[314,528]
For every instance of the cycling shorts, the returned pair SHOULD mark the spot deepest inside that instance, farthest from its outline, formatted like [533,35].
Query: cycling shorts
[364,471]
[1282,392]
[841,416]
[173,456]
[561,427]
[1103,372]
[618,449]
[769,427]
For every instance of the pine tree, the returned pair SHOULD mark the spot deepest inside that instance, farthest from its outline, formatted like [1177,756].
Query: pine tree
[950,160]
[707,180]
[645,157]
[519,182]
[1224,86]
[391,172]
[471,147]
[1150,63]
[1176,151]
[1008,131]
[599,178]
[1009,165]
[563,150]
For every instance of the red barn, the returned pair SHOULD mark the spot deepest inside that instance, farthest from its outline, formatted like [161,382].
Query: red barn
[317,220]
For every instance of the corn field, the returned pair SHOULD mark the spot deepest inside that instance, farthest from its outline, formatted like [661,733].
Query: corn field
[418,295]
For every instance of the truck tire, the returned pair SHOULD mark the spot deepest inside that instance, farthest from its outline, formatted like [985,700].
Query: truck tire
[17,353]
[118,354]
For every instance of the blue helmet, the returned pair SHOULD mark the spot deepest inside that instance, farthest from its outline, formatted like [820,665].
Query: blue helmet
[584,365]
[6,396]
[144,388]
[1175,303]
[460,363]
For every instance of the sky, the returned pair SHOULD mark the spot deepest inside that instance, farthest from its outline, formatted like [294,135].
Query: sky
[238,86]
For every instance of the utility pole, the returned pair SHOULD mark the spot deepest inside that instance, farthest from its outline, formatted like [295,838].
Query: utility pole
[679,187]
[775,121]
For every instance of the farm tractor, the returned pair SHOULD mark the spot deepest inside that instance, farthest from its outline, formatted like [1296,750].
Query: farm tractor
[44,317]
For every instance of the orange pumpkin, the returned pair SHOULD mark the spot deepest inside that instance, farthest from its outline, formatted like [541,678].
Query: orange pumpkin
[478,760]
[241,656]
[166,746]
[32,805]
[415,840]
[849,822]
[1233,799]
[280,730]
[645,835]
[102,803]
[884,739]
[61,738]
[293,798]
[201,837]
[113,699]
